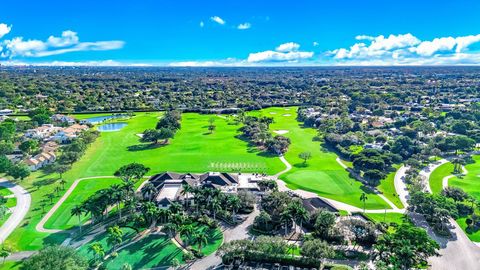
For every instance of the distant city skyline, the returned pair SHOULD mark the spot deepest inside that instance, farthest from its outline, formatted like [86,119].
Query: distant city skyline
[244,33]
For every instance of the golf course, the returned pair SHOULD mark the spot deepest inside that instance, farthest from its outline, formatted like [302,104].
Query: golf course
[193,149]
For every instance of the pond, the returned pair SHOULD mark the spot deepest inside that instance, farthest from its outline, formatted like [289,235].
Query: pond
[99,119]
[111,127]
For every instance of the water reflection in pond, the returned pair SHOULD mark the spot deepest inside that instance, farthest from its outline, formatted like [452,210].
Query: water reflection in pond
[111,126]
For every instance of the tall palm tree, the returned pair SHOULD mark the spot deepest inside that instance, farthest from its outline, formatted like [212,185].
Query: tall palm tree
[163,215]
[171,228]
[97,250]
[116,196]
[187,231]
[200,238]
[78,210]
[63,182]
[148,191]
[186,191]
[235,204]
[301,215]
[286,217]
[215,206]
[364,199]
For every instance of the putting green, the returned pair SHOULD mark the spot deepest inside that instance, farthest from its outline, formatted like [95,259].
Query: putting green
[321,174]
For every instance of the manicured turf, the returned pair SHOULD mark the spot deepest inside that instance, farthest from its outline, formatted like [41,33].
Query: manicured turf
[150,252]
[322,174]
[470,184]
[5,191]
[10,265]
[387,187]
[128,233]
[388,218]
[215,239]
[62,218]
[437,176]
[11,202]
[193,149]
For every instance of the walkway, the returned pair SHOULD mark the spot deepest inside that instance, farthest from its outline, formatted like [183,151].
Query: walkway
[19,211]
[427,171]
[401,186]
[41,224]
[446,178]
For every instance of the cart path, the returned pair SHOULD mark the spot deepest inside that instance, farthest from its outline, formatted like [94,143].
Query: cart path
[19,211]
[446,178]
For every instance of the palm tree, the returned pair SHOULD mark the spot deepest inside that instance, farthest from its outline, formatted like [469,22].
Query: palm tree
[116,195]
[150,211]
[148,191]
[215,205]
[63,182]
[200,238]
[286,217]
[4,254]
[301,215]
[115,236]
[187,231]
[97,249]
[235,204]
[163,214]
[50,196]
[57,190]
[126,266]
[186,191]
[78,211]
[364,199]
[171,228]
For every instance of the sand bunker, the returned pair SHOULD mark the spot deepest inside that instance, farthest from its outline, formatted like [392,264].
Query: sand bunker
[281,132]
[287,114]
[140,135]
[273,113]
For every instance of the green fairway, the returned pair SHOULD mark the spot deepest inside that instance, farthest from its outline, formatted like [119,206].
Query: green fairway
[387,187]
[322,174]
[150,252]
[469,183]
[62,218]
[193,149]
[437,176]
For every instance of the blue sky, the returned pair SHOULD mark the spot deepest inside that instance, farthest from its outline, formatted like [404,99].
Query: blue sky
[240,33]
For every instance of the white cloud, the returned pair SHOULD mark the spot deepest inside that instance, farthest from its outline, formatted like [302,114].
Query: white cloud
[407,50]
[244,26]
[288,47]
[102,63]
[315,44]
[273,56]
[67,42]
[217,20]
[4,29]
[286,52]
[202,24]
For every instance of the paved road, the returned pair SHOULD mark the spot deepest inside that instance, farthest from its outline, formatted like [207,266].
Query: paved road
[229,234]
[456,253]
[19,211]
[401,186]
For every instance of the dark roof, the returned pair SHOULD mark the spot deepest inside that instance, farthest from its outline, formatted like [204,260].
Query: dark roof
[221,179]
[313,204]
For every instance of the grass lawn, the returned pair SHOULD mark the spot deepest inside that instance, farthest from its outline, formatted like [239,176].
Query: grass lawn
[437,176]
[10,265]
[62,218]
[322,174]
[5,191]
[470,184]
[11,202]
[215,240]
[150,252]
[193,149]
[388,218]
[387,187]
[84,250]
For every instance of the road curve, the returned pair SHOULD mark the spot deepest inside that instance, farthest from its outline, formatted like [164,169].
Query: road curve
[19,211]
[401,186]
[458,252]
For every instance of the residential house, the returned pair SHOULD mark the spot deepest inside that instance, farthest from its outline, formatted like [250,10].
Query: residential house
[40,160]
[61,118]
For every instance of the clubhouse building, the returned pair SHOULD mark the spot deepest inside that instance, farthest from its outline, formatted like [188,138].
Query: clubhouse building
[169,185]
